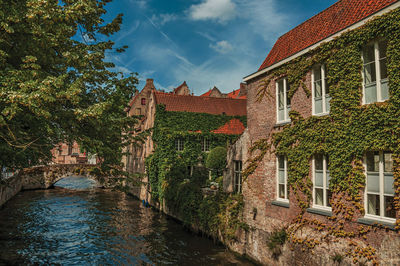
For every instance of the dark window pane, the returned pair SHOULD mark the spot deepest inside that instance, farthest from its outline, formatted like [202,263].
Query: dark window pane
[282,191]
[318,162]
[382,49]
[319,196]
[389,207]
[388,162]
[373,205]
[369,54]
[373,161]
[369,73]
[281,162]
[317,73]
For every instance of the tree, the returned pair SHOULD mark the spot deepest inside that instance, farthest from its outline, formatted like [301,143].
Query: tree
[216,159]
[56,84]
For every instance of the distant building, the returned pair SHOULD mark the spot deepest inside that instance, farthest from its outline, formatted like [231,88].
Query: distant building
[240,93]
[70,154]
[197,134]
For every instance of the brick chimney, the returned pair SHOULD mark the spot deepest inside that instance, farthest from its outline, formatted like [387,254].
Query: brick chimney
[243,89]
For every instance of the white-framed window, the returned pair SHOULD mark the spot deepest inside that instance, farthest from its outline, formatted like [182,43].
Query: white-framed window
[321,178]
[179,144]
[237,176]
[282,101]
[379,192]
[375,85]
[282,173]
[320,91]
[205,145]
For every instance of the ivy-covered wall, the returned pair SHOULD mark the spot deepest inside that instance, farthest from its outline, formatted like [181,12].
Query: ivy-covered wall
[346,134]
[170,180]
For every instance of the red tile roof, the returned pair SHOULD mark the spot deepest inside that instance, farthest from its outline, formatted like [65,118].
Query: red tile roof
[232,127]
[233,94]
[198,104]
[206,94]
[338,17]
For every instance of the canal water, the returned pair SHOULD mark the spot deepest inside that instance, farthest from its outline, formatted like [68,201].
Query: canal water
[83,225]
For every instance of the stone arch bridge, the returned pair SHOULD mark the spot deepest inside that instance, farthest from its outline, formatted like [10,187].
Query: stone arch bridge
[44,177]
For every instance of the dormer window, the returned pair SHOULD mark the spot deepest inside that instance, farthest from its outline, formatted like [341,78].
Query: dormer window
[376,85]
[282,101]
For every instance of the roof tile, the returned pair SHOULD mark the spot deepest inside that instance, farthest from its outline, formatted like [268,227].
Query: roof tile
[232,127]
[198,104]
[337,17]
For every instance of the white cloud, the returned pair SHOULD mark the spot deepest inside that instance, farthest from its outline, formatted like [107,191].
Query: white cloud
[222,47]
[263,18]
[163,18]
[218,10]
[140,3]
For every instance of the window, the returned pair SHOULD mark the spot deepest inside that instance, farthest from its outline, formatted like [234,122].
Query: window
[282,100]
[376,87]
[321,178]
[205,145]
[282,187]
[143,101]
[138,111]
[238,176]
[320,91]
[380,188]
[179,144]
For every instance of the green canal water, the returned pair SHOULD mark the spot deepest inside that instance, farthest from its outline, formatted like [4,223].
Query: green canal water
[80,224]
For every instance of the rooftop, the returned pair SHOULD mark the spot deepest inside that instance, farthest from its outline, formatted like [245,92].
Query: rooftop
[199,104]
[334,19]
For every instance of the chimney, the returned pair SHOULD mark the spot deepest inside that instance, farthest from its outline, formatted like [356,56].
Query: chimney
[243,89]
[149,82]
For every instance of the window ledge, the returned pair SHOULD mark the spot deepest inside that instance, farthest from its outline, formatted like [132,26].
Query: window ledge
[280,203]
[281,124]
[320,212]
[373,222]
[321,114]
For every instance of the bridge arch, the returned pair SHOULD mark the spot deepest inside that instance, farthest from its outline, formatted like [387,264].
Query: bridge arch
[44,177]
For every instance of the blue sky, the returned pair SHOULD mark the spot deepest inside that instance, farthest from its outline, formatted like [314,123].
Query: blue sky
[206,43]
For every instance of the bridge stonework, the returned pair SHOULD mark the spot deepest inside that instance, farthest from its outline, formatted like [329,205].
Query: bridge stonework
[42,177]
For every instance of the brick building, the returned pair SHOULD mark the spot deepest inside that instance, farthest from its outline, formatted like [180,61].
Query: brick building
[160,105]
[70,154]
[270,203]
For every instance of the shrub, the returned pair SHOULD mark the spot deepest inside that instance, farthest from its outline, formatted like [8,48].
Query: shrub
[216,159]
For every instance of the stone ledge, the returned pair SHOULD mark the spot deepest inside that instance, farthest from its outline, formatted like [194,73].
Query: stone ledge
[319,212]
[280,203]
[377,223]
[282,124]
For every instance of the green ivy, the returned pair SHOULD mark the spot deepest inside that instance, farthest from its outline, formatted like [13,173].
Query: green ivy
[169,176]
[350,130]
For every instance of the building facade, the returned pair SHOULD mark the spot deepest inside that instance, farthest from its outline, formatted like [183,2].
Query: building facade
[325,141]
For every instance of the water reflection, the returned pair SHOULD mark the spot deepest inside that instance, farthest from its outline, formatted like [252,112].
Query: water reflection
[93,226]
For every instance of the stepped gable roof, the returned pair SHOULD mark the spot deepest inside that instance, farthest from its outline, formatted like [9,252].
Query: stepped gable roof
[198,104]
[337,17]
[180,86]
[232,127]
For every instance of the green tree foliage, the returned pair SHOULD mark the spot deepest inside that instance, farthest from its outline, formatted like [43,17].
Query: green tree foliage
[216,159]
[55,82]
